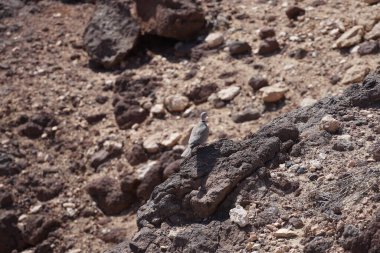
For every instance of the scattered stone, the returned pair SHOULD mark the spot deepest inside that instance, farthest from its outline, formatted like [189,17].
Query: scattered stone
[343,143]
[257,83]
[95,118]
[151,145]
[109,151]
[376,152]
[355,74]
[8,165]
[128,115]
[31,130]
[308,101]
[268,46]
[350,38]
[273,94]
[293,12]
[313,177]
[136,155]
[176,103]
[111,34]
[200,93]
[11,239]
[296,222]
[37,228]
[246,115]
[299,53]
[334,79]
[266,32]
[171,140]
[285,233]
[374,33]
[100,99]
[214,40]
[49,188]
[216,101]
[239,215]
[318,245]
[158,111]
[114,235]
[6,199]
[107,194]
[182,20]
[238,47]
[330,124]
[368,47]
[229,93]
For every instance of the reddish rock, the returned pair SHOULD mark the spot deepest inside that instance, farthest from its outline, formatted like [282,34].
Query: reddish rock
[107,194]
[268,46]
[38,227]
[293,12]
[136,155]
[238,47]
[200,94]
[257,83]
[181,20]
[10,235]
[266,32]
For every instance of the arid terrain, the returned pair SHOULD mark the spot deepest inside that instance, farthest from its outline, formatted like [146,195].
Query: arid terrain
[97,104]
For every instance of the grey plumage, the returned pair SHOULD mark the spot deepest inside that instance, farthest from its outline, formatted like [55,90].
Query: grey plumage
[198,136]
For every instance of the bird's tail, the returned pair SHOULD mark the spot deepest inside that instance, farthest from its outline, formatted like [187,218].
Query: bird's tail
[187,152]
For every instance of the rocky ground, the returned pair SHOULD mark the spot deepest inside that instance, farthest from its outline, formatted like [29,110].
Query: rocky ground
[97,104]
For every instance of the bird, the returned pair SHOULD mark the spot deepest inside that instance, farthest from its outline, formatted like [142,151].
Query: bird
[198,136]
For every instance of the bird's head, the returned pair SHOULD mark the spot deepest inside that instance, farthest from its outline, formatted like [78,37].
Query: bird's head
[204,116]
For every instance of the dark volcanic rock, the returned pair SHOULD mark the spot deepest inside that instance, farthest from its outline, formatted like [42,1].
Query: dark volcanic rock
[38,227]
[127,109]
[49,189]
[31,130]
[10,235]
[8,165]
[266,32]
[95,118]
[111,34]
[9,8]
[369,47]
[6,199]
[299,53]
[257,83]
[238,47]
[199,94]
[293,12]
[136,155]
[181,20]
[246,115]
[107,194]
[268,46]
[189,212]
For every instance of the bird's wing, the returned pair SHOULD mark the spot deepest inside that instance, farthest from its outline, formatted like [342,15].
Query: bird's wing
[198,135]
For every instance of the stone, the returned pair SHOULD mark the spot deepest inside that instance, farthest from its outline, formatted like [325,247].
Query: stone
[9,166]
[318,245]
[268,46]
[238,48]
[171,140]
[239,216]
[229,93]
[215,101]
[136,155]
[108,196]
[308,101]
[285,233]
[31,130]
[296,222]
[266,32]
[180,20]
[111,34]
[376,152]
[246,115]
[329,124]
[374,33]
[10,235]
[49,188]
[128,115]
[158,110]
[6,199]
[37,228]
[214,40]
[151,145]
[298,54]
[101,99]
[369,47]
[95,118]
[104,155]
[257,82]
[293,12]
[176,103]
[355,74]
[200,93]
[273,94]
[371,1]
[350,38]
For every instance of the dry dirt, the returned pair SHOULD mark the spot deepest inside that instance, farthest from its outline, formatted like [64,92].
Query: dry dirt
[43,68]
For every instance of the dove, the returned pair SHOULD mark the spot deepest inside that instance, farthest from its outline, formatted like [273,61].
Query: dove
[198,136]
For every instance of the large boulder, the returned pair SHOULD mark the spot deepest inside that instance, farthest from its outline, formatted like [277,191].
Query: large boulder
[181,19]
[111,34]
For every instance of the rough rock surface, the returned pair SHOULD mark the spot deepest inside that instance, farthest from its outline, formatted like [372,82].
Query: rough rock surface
[111,34]
[225,173]
[181,20]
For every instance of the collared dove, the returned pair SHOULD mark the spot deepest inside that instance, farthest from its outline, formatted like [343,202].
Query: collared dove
[198,136]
